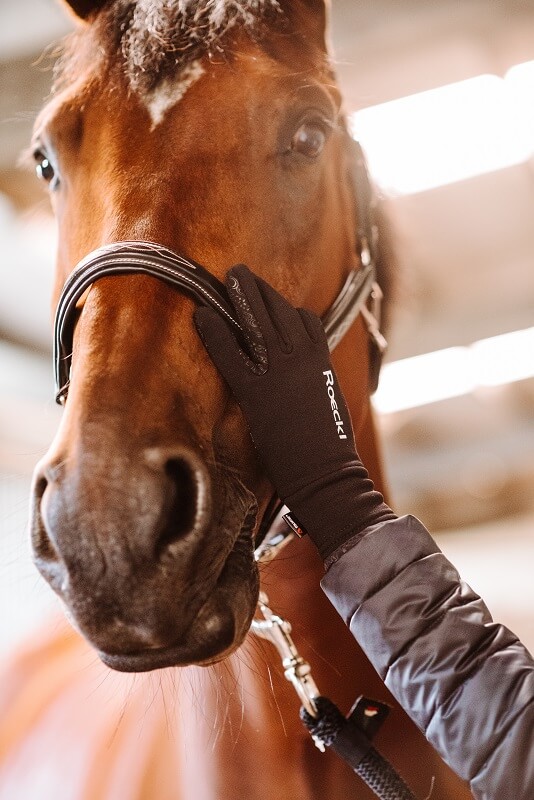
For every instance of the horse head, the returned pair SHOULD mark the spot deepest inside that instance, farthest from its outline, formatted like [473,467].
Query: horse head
[213,129]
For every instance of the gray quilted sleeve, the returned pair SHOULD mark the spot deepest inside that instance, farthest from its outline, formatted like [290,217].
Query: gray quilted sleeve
[465,680]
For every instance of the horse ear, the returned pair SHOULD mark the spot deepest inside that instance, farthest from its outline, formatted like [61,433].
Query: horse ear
[84,8]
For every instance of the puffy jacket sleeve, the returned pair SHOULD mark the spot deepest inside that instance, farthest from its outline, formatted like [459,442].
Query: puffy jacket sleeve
[466,681]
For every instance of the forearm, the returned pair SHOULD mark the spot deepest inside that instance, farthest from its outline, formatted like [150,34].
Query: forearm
[466,681]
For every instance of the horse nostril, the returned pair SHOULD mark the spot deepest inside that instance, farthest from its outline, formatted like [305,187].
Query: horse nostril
[187,508]
[43,547]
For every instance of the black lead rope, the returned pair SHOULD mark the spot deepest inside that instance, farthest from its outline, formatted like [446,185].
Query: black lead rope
[351,738]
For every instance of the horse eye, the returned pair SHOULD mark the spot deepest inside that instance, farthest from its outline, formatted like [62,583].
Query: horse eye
[309,140]
[43,167]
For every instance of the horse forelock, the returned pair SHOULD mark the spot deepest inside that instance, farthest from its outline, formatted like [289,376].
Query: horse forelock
[162,36]
[157,39]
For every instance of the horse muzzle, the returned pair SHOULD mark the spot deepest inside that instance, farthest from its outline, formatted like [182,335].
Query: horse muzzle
[152,557]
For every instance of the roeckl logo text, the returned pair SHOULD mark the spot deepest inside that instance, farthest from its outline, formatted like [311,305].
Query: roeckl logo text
[335,411]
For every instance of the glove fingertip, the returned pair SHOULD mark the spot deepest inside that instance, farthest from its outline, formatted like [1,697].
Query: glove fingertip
[235,277]
[237,270]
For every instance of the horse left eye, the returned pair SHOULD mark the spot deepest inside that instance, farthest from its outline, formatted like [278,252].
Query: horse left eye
[43,168]
[309,140]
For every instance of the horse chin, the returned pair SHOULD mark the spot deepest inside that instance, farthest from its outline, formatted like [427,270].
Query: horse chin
[210,641]
[219,627]
[181,655]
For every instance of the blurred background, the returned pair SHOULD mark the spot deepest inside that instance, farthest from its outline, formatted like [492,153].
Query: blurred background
[441,94]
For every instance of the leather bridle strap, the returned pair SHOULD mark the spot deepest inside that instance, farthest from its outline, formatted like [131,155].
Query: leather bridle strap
[359,287]
[125,258]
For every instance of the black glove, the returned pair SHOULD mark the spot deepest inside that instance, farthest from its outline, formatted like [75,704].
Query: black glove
[284,382]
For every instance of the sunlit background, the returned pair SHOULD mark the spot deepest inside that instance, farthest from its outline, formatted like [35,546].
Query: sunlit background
[441,95]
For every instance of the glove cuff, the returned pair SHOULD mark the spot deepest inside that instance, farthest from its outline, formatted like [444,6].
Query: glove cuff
[338,506]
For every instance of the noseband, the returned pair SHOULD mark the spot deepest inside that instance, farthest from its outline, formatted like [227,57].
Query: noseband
[185,275]
[127,258]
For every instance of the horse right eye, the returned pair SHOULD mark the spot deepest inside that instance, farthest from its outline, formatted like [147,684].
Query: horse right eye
[309,140]
[43,167]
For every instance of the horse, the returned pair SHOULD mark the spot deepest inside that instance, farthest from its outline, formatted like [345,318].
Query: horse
[214,130]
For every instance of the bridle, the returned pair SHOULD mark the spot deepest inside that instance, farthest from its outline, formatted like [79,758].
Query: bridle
[182,273]
[360,293]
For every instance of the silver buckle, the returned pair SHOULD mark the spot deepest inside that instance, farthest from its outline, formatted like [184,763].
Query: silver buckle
[372,317]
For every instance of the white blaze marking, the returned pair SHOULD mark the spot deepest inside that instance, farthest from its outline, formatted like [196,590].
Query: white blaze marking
[168,92]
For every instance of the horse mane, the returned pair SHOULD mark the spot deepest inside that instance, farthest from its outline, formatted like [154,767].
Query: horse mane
[160,38]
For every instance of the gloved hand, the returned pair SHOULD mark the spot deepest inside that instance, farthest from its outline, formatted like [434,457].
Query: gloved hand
[284,382]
